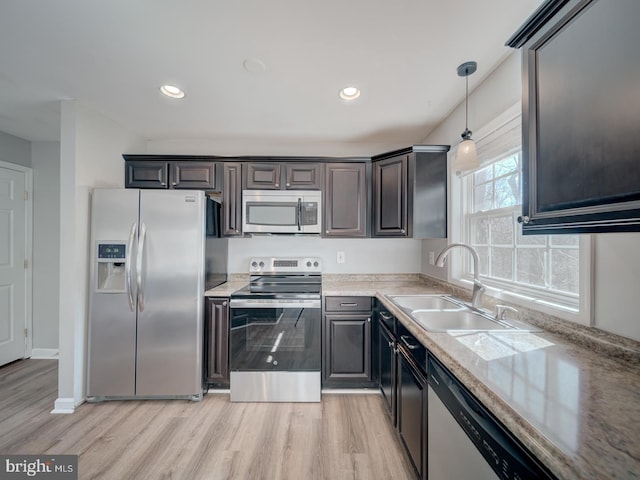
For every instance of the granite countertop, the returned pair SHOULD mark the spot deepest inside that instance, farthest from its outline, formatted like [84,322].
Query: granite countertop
[573,404]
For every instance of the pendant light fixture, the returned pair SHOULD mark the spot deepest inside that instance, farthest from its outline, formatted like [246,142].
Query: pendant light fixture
[466,156]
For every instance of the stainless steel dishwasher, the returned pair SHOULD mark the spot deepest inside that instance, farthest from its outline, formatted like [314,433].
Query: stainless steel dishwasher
[466,441]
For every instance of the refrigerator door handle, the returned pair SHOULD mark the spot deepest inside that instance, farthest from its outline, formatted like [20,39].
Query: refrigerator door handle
[139,261]
[127,265]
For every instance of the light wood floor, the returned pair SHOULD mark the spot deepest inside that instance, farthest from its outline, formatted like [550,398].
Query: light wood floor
[343,437]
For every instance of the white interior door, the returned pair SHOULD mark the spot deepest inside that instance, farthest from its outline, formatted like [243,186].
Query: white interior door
[13,274]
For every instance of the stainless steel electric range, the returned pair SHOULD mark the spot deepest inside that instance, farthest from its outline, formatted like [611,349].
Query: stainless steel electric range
[275,345]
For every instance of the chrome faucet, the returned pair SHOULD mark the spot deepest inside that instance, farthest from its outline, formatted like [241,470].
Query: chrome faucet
[478,288]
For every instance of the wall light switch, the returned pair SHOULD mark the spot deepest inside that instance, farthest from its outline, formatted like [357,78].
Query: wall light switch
[341,257]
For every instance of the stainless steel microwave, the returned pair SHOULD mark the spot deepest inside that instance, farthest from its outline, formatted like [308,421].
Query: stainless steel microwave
[281,211]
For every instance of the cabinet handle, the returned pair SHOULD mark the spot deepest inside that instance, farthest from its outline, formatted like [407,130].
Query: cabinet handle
[224,304]
[277,185]
[174,183]
[288,185]
[405,339]
[386,316]
[164,184]
[524,219]
[390,344]
[348,304]
[369,320]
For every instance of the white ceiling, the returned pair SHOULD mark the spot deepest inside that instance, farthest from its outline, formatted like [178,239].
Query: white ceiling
[112,55]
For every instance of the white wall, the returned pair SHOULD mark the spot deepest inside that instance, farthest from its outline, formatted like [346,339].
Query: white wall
[362,255]
[617,283]
[91,148]
[617,256]
[15,150]
[45,162]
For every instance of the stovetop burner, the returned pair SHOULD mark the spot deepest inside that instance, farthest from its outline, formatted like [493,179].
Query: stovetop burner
[283,278]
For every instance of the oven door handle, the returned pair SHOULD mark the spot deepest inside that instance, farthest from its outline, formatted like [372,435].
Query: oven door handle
[240,303]
[299,214]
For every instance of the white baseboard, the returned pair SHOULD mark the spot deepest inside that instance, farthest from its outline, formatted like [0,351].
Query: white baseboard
[44,353]
[64,405]
[351,391]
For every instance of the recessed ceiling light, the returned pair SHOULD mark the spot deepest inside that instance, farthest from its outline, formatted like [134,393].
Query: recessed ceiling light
[171,91]
[349,93]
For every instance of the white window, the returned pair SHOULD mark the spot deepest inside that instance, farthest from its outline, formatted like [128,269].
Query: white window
[537,270]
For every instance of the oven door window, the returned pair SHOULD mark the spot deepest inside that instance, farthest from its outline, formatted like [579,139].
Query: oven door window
[284,339]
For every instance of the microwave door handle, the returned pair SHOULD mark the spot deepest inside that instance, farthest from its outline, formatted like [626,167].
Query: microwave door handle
[299,215]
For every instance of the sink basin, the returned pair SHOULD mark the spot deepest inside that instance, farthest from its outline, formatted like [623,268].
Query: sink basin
[426,302]
[442,313]
[461,320]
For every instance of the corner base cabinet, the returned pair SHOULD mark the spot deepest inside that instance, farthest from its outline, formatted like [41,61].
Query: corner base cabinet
[347,342]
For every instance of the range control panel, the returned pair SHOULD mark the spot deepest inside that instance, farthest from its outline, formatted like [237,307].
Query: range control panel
[285,265]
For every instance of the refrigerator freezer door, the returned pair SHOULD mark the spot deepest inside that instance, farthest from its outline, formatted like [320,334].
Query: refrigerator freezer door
[112,323]
[172,279]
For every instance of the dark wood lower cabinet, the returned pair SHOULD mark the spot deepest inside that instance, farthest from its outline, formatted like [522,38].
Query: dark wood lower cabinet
[347,342]
[387,368]
[412,412]
[216,360]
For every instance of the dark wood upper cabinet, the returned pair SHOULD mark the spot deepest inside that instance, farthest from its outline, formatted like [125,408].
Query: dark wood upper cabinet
[410,192]
[345,200]
[146,174]
[232,199]
[303,176]
[581,115]
[283,176]
[170,171]
[390,198]
[197,175]
[262,176]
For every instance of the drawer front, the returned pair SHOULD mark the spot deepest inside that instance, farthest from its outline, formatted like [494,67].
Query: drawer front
[347,304]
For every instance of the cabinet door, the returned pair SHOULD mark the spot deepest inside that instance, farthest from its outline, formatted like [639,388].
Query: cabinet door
[347,349]
[390,197]
[232,200]
[146,174]
[197,175]
[387,362]
[262,176]
[217,341]
[345,200]
[412,414]
[303,176]
[580,127]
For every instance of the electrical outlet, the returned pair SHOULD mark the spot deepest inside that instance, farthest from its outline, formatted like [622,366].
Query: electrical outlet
[341,257]
[432,258]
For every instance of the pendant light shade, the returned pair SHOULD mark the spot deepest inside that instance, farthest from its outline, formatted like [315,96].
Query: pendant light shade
[466,155]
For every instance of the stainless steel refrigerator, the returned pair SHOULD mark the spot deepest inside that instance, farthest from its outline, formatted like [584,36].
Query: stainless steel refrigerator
[152,252]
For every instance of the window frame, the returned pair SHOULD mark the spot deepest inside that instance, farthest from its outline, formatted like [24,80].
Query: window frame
[549,302]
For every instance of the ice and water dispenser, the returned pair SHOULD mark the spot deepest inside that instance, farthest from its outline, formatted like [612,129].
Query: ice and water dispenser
[111,259]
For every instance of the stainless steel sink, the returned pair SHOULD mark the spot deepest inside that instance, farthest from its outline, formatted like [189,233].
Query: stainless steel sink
[461,320]
[443,313]
[426,302]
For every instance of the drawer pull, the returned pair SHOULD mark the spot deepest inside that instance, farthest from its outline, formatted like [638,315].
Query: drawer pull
[405,339]
[348,304]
